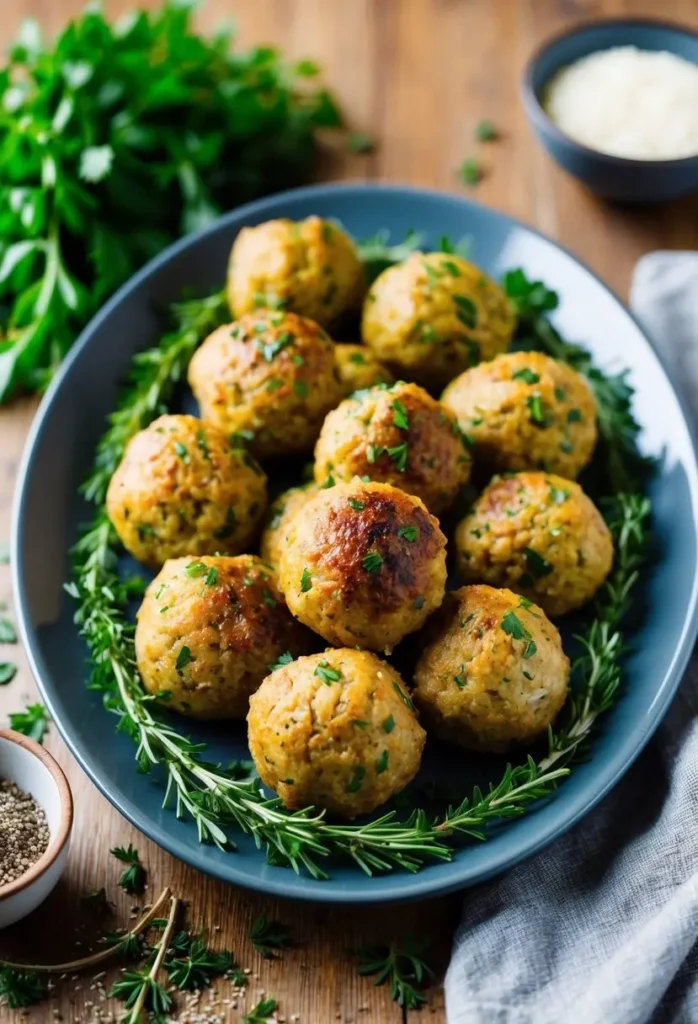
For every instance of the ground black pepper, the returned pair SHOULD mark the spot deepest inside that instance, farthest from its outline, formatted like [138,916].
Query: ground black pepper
[24,832]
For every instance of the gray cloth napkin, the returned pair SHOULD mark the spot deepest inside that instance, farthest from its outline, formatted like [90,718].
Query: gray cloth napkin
[602,928]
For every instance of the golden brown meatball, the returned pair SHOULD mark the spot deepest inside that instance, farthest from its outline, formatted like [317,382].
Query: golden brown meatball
[335,730]
[400,436]
[541,536]
[433,316]
[269,377]
[183,489]
[208,631]
[364,564]
[310,267]
[358,368]
[492,673]
[525,410]
[281,512]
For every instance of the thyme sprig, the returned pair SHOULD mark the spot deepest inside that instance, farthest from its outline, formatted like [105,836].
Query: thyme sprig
[218,800]
[402,966]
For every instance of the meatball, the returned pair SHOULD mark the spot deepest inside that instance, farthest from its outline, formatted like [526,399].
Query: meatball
[525,410]
[358,368]
[541,536]
[364,564]
[310,267]
[209,630]
[335,730]
[493,672]
[269,377]
[281,512]
[398,435]
[183,489]
[433,316]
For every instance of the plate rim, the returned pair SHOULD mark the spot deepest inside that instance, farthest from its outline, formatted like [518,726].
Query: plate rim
[416,885]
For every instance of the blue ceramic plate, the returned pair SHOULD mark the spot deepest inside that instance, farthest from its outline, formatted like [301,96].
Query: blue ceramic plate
[61,447]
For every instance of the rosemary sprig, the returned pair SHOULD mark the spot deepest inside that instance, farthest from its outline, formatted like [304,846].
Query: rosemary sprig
[154,374]
[138,987]
[217,799]
[402,966]
[268,936]
[261,1012]
[19,987]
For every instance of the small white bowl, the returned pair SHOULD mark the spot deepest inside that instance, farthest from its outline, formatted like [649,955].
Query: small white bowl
[34,770]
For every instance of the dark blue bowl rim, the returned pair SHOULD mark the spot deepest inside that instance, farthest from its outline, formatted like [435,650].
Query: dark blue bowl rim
[537,113]
[416,886]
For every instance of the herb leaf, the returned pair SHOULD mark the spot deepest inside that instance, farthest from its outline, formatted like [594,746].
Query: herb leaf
[132,880]
[268,936]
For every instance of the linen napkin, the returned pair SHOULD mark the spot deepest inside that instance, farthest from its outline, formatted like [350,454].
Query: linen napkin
[602,927]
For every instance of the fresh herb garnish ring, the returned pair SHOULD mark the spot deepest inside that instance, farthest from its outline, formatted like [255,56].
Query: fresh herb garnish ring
[220,802]
[617,737]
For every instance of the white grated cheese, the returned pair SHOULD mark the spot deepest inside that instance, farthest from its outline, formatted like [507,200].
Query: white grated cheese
[633,103]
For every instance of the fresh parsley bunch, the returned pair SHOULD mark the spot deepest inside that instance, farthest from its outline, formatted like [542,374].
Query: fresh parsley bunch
[116,139]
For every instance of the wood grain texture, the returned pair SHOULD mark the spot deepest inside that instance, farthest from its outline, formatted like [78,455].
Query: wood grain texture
[417,75]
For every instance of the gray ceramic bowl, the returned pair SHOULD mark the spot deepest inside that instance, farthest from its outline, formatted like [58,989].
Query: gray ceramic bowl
[611,177]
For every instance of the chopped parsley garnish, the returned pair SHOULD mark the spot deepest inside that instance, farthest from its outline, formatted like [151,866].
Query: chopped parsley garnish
[225,531]
[404,698]
[274,384]
[460,679]
[272,348]
[357,779]
[360,722]
[486,131]
[194,569]
[400,415]
[358,142]
[327,483]
[202,444]
[372,453]
[357,358]
[301,388]
[183,658]
[306,582]
[536,410]
[560,394]
[328,674]
[358,506]
[452,268]
[399,454]
[268,597]
[470,171]
[574,416]
[372,562]
[557,495]
[566,446]
[212,577]
[382,763]
[427,333]
[419,602]
[389,724]
[410,533]
[284,659]
[526,375]
[538,565]
[181,450]
[467,310]
[515,628]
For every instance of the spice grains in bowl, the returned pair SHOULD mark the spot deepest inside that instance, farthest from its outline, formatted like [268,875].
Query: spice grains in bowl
[24,832]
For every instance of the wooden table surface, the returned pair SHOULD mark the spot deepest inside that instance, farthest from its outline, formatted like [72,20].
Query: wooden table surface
[417,75]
